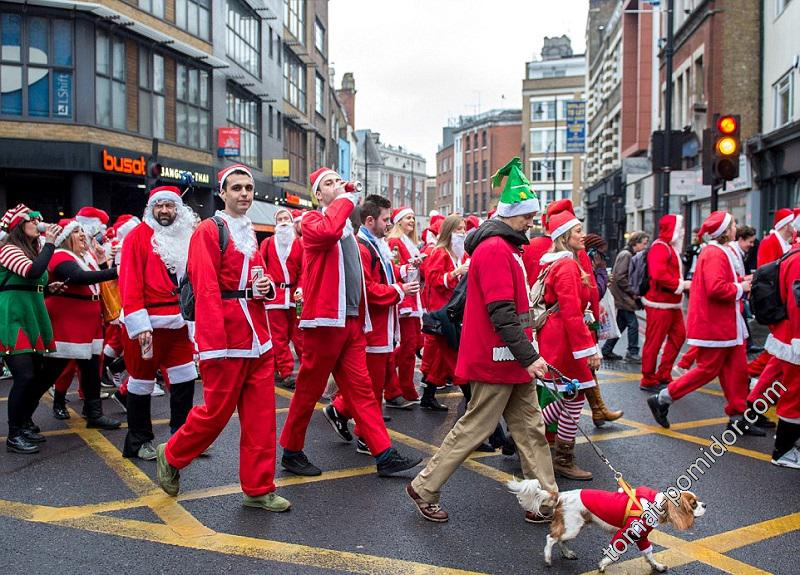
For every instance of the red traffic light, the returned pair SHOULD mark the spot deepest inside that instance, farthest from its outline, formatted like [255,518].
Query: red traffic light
[727,124]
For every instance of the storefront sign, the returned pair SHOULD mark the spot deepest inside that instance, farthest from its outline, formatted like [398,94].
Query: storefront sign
[280,170]
[62,94]
[228,142]
[123,165]
[576,127]
[297,201]
[171,173]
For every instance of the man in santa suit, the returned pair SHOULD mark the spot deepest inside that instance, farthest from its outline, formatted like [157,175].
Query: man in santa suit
[152,264]
[283,254]
[663,304]
[334,319]
[716,327]
[384,292]
[232,336]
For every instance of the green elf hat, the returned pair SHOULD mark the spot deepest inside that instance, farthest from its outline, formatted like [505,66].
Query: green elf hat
[517,197]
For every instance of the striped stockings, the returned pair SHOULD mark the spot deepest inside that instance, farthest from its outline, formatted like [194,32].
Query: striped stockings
[566,413]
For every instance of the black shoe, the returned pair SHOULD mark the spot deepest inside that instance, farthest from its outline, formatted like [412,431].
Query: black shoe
[761,420]
[287,382]
[485,447]
[745,428]
[95,418]
[32,426]
[660,410]
[432,404]
[299,465]
[362,448]
[509,447]
[121,400]
[33,436]
[18,443]
[611,356]
[396,463]
[338,422]
[387,418]
[60,411]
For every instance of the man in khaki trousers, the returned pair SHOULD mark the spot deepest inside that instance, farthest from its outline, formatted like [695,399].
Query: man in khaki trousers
[496,354]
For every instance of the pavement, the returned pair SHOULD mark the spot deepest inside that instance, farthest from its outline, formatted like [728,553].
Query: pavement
[79,507]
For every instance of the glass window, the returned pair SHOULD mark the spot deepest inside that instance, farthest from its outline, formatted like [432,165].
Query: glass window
[151,94]
[295,148]
[484,140]
[110,100]
[319,104]
[536,171]
[243,36]
[294,81]
[484,168]
[566,170]
[294,17]
[270,122]
[542,140]
[245,113]
[191,106]
[193,16]
[475,166]
[783,90]
[466,172]
[155,7]
[319,37]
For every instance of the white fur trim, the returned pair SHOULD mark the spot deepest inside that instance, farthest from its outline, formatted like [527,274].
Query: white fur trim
[182,373]
[783,351]
[110,351]
[678,226]
[564,228]
[70,350]
[136,322]
[589,351]
[712,342]
[529,206]
[141,386]
[401,214]
[66,231]
[784,222]
[726,221]
[164,196]
[739,291]
[242,353]
[318,181]
[551,257]
[661,305]
[127,227]
[232,169]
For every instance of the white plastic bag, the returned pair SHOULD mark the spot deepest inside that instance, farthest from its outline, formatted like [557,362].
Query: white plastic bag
[608,318]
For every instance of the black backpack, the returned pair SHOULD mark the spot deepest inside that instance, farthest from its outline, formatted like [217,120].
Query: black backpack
[183,289]
[638,274]
[765,292]
[447,321]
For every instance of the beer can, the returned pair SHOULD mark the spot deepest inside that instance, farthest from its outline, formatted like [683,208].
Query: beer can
[147,350]
[256,273]
[412,274]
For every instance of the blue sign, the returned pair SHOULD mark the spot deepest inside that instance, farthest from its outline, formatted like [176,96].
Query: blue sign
[62,94]
[576,126]
[227,152]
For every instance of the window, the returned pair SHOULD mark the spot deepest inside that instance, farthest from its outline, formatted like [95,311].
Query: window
[295,148]
[466,172]
[466,144]
[475,166]
[271,44]
[537,168]
[319,92]
[243,36]
[483,139]
[475,142]
[484,169]
[36,69]
[783,90]
[294,18]
[271,127]
[244,113]
[193,16]
[320,159]
[279,124]
[319,37]
[192,106]
[110,80]
[780,6]
[544,110]
[151,94]
[467,204]
[155,7]
[542,140]
[566,171]
[294,81]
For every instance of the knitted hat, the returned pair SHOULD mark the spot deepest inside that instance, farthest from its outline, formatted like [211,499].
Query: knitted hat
[125,224]
[14,216]
[317,176]
[559,224]
[517,197]
[783,217]
[399,213]
[164,194]
[716,223]
[68,225]
[223,174]
[596,242]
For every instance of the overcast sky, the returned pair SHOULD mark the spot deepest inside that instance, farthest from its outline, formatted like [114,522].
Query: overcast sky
[417,63]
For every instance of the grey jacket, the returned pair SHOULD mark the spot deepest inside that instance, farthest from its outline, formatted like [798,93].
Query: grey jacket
[620,288]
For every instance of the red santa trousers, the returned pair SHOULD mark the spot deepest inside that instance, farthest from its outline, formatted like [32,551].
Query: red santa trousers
[771,373]
[64,379]
[340,351]
[661,324]
[789,403]
[173,354]
[439,361]
[113,343]
[755,367]
[688,358]
[245,384]
[405,360]
[282,325]
[729,363]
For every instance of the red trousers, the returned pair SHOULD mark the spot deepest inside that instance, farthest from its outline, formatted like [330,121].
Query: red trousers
[283,329]
[755,367]
[113,340]
[730,364]
[246,385]
[688,358]
[661,324]
[64,380]
[340,351]
[771,373]
[439,361]
[379,366]
[789,403]
[173,354]
[405,360]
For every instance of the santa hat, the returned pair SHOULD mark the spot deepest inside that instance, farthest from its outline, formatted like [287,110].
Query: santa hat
[716,223]
[164,194]
[223,174]
[491,213]
[783,217]
[436,224]
[125,224]
[317,176]
[560,223]
[517,197]
[282,209]
[92,217]
[433,213]
[428,237]
[557,207]
[297,215]
[68,225]
[472,222]
[13,217]
[669,226]
[399,213]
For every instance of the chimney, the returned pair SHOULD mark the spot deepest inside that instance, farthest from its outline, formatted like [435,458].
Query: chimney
[347,96]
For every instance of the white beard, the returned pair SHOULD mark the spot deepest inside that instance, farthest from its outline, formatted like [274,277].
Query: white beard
[284,236]
[242,234]
[171,243]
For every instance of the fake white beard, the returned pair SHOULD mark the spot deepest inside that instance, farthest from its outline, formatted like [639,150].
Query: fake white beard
[171,243]
[457,244]
[242,234]
[284,235]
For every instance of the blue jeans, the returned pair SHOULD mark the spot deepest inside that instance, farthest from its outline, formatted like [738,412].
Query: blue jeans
[625,319]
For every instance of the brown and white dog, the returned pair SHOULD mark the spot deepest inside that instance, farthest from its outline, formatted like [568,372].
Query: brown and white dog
[612,511]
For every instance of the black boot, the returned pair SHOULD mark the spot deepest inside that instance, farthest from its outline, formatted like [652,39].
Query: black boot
[181,399]
[429,401]
[32,433]
[761,421]
[140,425]
[60,405]
[18,443]
[95,418]
[786,436]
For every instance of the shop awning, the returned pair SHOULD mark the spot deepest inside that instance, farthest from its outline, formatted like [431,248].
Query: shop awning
[262,214]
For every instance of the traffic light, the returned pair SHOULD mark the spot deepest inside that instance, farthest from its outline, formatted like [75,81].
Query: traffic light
[722,148]
[152,172]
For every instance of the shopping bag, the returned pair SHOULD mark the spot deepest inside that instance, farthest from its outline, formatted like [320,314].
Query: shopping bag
[608,318]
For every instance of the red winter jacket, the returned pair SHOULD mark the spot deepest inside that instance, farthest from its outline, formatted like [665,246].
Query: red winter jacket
[382,300]
[411,306]
[770,249]
[286,273]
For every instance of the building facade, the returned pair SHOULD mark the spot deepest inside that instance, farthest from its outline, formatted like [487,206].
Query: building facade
[551,84]
[445,171]
[402,177]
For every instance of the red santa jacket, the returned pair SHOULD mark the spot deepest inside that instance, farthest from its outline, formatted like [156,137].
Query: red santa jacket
[784,340]
[77,323]
[439,280]
[611,508]
[149,298]
[715,319]
[225,327]
[323,274]
[411,306]
[496,273]
[771,248]
[382,299]
[286,273]
[532,255]
[666,277]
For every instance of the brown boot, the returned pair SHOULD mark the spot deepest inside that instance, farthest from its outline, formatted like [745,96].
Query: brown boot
[600,413]
[564,462]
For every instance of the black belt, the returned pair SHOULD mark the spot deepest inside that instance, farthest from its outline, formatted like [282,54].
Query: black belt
[284,286]
[163,304]
[35,288]
[237,294]
[93,297]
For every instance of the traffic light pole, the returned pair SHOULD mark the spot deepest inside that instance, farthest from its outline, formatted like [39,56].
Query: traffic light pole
[715,194]
[667,160]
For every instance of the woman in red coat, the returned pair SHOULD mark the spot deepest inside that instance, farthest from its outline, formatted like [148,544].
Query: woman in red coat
[565,340]
[444,268]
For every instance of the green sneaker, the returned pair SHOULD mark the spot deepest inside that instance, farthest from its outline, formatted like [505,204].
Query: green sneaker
[169,478]
[269,501]
[147,452]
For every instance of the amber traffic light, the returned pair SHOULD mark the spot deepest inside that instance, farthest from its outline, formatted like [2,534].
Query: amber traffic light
[721,149]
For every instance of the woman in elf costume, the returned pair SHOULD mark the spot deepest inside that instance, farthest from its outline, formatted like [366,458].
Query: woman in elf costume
[25,330]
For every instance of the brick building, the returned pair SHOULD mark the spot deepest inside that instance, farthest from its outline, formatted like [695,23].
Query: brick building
[443,199]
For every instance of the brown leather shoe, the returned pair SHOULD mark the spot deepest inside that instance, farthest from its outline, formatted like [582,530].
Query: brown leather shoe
[430,511]
[531,517]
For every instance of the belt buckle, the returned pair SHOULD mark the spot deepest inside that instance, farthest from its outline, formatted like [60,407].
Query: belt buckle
[39,288]
[95,297]
[248,293]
